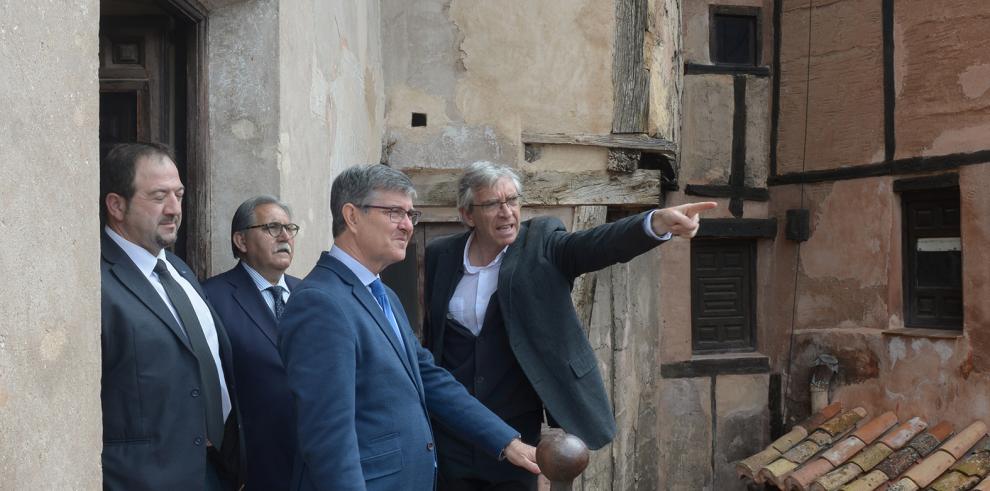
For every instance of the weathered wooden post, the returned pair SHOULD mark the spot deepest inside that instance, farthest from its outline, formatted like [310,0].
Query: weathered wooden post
[561,458]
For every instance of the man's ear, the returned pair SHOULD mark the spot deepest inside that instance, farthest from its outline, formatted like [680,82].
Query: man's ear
[116,206]
[466,217]
[240,242]
[350,213]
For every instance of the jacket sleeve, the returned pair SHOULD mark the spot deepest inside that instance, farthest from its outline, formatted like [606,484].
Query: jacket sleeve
[590,250]
[319,355]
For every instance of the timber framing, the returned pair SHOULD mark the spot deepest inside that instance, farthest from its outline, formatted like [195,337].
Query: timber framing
[639,188]
[633,141]
[701,69]
[630,78]
[738,228]
[911,165]
[708,367]
[720,191]
[940,181]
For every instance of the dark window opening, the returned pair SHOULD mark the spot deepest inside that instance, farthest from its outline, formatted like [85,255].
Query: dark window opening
[932,259]
[735,36]
[723,295]
[418,119]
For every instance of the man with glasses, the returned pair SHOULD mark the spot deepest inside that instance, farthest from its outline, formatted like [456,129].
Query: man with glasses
[365,389]
[499,316]
[250,298]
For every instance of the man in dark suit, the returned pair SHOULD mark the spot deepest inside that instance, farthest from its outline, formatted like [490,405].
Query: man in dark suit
[168,419]
[249,299]
[499,316]
[364,388]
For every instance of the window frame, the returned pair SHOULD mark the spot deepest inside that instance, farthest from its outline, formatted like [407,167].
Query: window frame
[748,345]
[910,195]
[739,11]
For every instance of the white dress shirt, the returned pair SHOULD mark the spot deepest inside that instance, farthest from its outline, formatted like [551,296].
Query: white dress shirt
[145,263]
[469,304]
[263,286]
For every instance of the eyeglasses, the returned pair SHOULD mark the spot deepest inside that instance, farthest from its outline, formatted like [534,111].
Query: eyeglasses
[275,229]
[491,206]
[396,214]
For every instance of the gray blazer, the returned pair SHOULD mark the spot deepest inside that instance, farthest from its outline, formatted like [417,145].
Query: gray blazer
[534,293]
[154,425]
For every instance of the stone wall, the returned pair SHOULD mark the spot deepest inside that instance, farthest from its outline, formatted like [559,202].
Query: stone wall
[296,96]
[50,420]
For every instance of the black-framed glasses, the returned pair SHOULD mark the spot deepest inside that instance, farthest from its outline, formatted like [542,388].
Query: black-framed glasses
[275,229]
[490,206]
[396,214]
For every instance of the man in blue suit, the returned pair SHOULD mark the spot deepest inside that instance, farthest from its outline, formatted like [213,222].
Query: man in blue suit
[249,298]
[364,388]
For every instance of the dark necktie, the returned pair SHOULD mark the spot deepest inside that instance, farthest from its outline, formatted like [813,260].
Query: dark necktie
[276,291]
[209,379]
[378,290]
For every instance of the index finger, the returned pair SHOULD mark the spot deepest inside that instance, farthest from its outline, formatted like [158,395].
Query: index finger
[692,209]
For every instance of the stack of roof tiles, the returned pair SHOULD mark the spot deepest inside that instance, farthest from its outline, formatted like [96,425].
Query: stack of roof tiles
[849,451]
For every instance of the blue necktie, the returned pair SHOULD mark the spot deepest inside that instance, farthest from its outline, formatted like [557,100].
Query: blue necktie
[378,290]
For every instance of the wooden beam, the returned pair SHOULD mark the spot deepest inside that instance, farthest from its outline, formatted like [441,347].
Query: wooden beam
[707,367]
[940,181]
[634,141]
[438,187]
[700,69]
[630,87]
[755,228]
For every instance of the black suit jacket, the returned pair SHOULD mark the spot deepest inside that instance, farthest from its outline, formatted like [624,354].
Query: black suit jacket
[534,294]
[154,425]
[267,408]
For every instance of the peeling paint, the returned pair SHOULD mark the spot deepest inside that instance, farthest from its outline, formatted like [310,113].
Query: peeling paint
[243,129]
[897,351]
[975,80]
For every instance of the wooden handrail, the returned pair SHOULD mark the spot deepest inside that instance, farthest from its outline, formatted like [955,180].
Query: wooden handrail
[562,458]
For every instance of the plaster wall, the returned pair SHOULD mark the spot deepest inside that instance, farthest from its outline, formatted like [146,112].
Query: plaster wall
[942,77]
[50,419]
[242,66]
[483,72]
[331,100]
[296,96]
[831,113]
[847,290]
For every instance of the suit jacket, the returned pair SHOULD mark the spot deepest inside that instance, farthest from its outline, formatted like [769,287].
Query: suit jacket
[154,425]
[267,410]
[363,397]
[534,295]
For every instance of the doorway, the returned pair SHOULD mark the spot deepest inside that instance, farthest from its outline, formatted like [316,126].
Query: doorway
[152,56]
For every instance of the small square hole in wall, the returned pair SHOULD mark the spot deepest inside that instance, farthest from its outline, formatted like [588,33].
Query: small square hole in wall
[418,119]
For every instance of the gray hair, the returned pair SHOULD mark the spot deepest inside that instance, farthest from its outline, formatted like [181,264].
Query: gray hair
[357,185]
[481,175]
[244,216]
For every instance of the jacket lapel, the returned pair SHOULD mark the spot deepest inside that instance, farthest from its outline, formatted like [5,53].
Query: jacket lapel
[367,300]
[246,295]
[450,270]
[130,276]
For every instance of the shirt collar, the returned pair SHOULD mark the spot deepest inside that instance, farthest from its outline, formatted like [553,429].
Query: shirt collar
[469,269]
[260,282]
[140,256]
[364,275]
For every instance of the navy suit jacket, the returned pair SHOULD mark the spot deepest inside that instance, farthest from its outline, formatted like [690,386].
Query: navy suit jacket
[534,294]
[267,411]
[364,398]
[154,425]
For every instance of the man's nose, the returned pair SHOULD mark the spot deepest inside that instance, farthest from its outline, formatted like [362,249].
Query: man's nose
[173,205]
